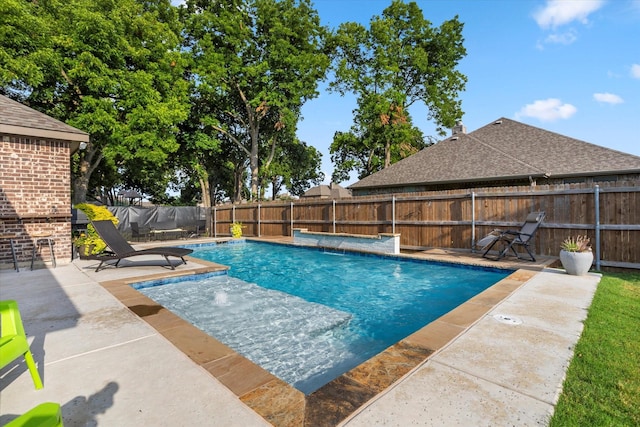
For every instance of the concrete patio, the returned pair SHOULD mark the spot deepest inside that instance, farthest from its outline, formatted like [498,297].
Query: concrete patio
[107,366]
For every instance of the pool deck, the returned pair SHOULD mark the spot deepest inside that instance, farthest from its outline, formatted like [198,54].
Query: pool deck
[110,356]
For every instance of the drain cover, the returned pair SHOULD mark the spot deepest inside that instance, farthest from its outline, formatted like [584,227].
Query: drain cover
[509,320]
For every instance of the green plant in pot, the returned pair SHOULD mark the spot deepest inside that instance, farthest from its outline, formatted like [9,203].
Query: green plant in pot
[576,255]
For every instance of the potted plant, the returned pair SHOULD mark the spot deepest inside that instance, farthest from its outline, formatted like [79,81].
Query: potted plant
[576,255]
[236,230]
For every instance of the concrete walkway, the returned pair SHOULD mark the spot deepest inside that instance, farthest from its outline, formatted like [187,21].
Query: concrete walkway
[506,370]
[102,363]
[106,366]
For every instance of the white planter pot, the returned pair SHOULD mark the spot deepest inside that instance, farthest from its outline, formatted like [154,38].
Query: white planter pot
[576,263]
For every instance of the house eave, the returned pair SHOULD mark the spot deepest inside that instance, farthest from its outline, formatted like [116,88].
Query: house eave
[43,133]
[454,181]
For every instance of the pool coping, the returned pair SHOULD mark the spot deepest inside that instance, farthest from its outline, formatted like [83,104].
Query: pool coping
[278,402]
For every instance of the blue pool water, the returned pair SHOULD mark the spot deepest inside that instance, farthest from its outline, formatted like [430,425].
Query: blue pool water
[308,316]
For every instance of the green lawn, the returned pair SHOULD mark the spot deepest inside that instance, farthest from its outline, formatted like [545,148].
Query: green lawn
[602,387]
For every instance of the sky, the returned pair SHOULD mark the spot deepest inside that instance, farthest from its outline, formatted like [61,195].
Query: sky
[567,66]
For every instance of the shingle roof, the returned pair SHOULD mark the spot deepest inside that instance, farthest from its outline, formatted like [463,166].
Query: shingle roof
[333,191]
[503,150]
[18,119]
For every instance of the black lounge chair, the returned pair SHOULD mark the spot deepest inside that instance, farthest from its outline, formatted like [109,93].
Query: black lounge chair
[523,237]
[121,249]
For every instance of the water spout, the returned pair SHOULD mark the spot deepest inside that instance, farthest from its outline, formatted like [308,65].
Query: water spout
[221,298]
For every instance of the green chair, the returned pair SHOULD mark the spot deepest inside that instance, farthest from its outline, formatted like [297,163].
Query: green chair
[13,340]
[44,415]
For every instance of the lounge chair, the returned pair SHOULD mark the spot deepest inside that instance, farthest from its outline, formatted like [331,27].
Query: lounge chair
[120,248]
[13,340]
[512,238]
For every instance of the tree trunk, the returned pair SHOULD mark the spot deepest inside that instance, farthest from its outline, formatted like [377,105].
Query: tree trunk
[253,163]
[89,161]
[206,192]
[80,188]
[237,183]
[205,189]
[387,154]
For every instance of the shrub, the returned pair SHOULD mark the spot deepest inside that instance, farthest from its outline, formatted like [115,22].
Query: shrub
[236,229]
[91,237]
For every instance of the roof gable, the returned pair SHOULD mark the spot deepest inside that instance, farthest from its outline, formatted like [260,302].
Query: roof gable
[505,149]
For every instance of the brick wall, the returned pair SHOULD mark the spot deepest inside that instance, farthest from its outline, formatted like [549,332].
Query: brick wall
[35,197]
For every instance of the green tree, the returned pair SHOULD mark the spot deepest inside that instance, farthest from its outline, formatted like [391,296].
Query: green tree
[294,165]
[399,61]
[381,135]
[257,62]
[113,68]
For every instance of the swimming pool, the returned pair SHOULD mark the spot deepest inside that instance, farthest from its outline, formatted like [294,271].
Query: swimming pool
[308,316]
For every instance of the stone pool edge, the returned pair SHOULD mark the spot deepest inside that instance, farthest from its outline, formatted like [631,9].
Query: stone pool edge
[281,404]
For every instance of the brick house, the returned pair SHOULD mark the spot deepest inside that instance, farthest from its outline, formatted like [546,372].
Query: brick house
[504,153]
[35,183]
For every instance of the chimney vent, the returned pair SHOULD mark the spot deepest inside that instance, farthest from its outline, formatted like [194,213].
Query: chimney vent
[459,128]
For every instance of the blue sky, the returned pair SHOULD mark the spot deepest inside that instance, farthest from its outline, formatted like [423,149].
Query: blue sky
[567,66]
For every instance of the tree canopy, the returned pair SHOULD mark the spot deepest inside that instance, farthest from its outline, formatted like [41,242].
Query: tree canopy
[207,96]
[112,68]
[400,60]
[257,62]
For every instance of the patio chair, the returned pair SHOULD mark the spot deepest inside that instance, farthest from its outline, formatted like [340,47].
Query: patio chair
[138,232]
[13,340]
[44,415]
[121,249]
[514,238]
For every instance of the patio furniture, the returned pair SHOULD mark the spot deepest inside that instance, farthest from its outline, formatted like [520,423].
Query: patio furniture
[13,340]
[121,249]
[513,238]
[138,232]
[12,243]
[41,241]
[44,415]
[165,230]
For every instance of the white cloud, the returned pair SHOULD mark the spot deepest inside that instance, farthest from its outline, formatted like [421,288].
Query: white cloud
[560,12]
[547,110]
[608,98]
[635,71]
[566,38]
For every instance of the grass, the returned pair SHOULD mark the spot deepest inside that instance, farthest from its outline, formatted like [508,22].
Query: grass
[602,387]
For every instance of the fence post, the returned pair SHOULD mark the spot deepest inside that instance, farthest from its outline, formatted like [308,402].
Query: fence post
[393,214]
[334,216]
[215,222]
[258,219]
[473,221]
[596,195]
[291,219]
[233,213]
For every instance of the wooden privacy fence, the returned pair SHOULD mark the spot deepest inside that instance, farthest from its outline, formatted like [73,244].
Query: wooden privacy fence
[608,214]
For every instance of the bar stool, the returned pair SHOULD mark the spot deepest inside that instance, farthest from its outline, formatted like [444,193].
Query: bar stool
[11,238]
[42,240]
